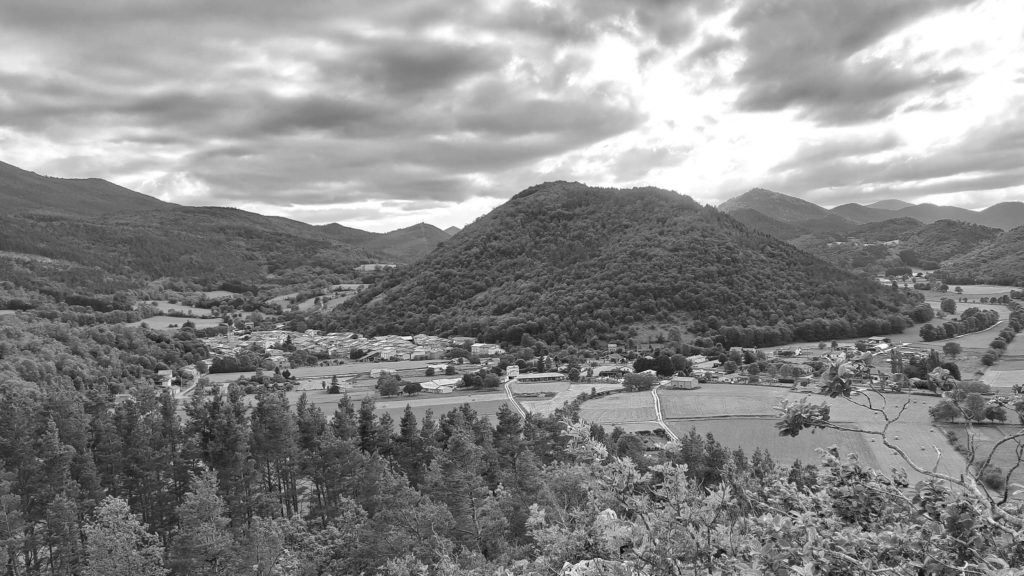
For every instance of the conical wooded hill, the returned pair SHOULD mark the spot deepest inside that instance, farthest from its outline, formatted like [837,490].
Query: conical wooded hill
[570,263]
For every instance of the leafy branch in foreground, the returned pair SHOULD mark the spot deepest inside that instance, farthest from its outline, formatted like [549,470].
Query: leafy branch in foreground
[1006,516]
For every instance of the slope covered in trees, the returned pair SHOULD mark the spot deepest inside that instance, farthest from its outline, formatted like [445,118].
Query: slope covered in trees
[946,239]
[24,191]
[776,228]
[567,262]
[999,262]
[207,245]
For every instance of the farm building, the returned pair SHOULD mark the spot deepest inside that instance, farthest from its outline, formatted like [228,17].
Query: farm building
[443,386]
[682,383]
[616,370]
[542,377]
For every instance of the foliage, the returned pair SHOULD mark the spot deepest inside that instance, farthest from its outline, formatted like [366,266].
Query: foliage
[639,382]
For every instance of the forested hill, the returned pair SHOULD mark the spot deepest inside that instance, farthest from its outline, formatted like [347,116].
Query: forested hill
[946,239]
[211,246]
[23,191]
[567,262]
[1000,262]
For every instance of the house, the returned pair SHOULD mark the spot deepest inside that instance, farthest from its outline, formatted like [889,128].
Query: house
[613,348]
[481,349]
[462,341]
[512,371]
[682,383]
[374,267]
[164,377]
[610,371]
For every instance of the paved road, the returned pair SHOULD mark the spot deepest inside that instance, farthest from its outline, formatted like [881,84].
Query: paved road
[512,400]
[657,413]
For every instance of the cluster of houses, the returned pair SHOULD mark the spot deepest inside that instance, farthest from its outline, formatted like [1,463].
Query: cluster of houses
[337,347]
[859,242]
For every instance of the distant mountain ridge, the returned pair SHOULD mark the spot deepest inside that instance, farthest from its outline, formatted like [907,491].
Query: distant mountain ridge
[793,210]
[25,194]
[892,233]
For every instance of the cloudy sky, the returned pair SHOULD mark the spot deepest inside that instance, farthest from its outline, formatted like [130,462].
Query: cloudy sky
[383,114]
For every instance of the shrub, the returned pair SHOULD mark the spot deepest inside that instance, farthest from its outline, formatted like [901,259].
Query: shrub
[993,478]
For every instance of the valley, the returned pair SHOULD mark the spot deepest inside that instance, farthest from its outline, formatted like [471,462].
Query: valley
[297,369]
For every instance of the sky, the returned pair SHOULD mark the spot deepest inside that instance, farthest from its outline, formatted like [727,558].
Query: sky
[380,115]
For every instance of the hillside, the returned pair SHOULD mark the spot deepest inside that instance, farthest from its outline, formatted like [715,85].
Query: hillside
[208,245]
[566,262]
[929,213]
[1005,215]
[946,239]
[757,221]
[346,234]
[999,262]
[777,206]
[22,191]
[862,214]
[452,230]
[405,244]
[890,204]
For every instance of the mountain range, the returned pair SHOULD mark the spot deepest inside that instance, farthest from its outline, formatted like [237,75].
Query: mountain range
[918,235]
[809,216]
[98,224]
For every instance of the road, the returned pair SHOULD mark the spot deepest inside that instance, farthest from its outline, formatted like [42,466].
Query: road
[512,400]
[657,412]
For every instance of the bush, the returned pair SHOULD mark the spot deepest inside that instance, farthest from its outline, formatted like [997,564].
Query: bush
[974,387]
[993,478]
[638,382]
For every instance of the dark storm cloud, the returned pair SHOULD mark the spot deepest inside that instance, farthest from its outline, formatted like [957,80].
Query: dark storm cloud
[318,102]
[807,55]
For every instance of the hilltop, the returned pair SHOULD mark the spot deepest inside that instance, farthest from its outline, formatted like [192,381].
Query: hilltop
[783,216]
[567,262]
[775,205]
[22,191]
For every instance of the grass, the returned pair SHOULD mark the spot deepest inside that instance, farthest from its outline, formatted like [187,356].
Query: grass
[538,387]
[484,408]
[619,408]
[753,433]
[165,322]
[985,438]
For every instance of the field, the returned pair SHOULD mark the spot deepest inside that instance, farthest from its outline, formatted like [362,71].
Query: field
[744,416]
[620,408]
[218,293]
[486,405]
[169,308]
[8,312]
[165,322]
[753,433]
[986,436]
[979,290]
[538,387]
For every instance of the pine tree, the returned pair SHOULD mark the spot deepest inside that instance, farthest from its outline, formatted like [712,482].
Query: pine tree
[203,543]
[118,544]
